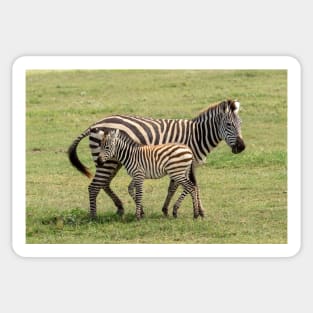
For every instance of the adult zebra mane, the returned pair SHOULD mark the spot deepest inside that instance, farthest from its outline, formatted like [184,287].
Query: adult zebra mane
[218,107]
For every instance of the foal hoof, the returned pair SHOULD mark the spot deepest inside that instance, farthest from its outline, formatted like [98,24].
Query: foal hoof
[139,216]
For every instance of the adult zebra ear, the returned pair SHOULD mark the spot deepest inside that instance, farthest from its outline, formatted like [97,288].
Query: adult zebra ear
[234,106]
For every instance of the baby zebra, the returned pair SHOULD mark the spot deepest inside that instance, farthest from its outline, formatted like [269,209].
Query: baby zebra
[148,161]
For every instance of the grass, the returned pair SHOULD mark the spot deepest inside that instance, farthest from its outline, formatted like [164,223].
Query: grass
[244,195]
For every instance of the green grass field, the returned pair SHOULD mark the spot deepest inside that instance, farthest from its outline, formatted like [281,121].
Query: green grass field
[244,195]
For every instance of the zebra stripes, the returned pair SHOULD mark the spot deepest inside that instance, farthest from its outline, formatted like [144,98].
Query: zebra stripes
[73,154]
[152,161]
[201,134]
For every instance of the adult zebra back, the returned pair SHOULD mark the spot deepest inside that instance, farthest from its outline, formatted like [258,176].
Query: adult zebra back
[202,134]
[152,161]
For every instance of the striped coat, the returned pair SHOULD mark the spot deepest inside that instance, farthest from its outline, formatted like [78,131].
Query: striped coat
[152,161]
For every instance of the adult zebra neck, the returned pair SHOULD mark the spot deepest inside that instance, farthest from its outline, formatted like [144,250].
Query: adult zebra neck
[205,135]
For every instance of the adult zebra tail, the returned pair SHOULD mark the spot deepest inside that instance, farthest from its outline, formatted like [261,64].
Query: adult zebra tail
[72,154]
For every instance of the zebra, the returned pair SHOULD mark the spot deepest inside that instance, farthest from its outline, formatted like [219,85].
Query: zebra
[152,161]
[220,121]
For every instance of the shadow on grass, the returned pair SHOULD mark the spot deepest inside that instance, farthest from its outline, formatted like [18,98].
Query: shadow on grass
[81,217]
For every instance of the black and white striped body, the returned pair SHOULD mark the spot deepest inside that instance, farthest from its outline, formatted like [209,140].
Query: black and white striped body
[151,161]
[201,134]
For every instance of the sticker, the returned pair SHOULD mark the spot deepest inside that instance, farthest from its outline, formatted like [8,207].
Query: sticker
[239,115]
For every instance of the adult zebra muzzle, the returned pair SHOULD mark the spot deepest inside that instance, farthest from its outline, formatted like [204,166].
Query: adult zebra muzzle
[239,146]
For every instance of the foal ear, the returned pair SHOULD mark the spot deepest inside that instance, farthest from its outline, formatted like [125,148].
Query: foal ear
[225,106]
[112,133]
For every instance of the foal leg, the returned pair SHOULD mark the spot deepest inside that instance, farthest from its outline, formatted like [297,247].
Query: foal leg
[178,202]
[170,193]
[138,181]
[131,191]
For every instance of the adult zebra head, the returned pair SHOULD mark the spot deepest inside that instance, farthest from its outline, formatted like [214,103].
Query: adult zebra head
[230,125]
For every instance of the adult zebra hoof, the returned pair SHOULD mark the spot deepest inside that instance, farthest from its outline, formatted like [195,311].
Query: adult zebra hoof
[120,211]
[165,212]
[93,216]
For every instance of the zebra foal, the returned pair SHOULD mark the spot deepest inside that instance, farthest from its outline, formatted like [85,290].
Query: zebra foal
[152,161]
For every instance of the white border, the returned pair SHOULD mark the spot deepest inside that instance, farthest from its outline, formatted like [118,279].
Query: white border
[21,65]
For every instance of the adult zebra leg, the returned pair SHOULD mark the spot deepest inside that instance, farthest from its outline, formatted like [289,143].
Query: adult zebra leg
[131,191]
[195,202]
[93,190]
[103,177]
[193,179]
[170,193]
[200,208]
[112,167]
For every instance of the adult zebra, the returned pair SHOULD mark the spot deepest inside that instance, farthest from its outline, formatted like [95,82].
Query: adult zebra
[202,134]
[152,161]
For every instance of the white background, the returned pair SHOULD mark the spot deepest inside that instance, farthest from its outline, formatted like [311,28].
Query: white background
[149,28]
